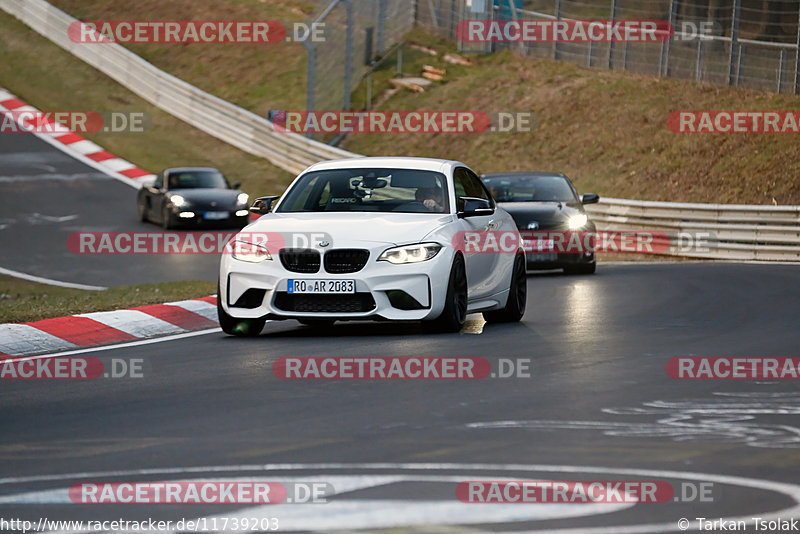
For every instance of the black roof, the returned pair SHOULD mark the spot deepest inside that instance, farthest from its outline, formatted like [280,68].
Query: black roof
[520,174]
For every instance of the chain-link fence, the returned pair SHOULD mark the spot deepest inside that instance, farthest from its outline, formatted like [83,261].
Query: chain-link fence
[749,43]
[355,33]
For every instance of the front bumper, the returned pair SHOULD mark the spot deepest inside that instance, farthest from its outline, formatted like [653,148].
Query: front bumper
[409,292]
[190,216]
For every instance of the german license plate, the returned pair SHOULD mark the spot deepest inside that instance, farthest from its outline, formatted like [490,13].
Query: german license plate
[216,215]
[538,245]
[330,287]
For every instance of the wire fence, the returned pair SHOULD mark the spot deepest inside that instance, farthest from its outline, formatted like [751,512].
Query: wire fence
[748,43]
[356,32]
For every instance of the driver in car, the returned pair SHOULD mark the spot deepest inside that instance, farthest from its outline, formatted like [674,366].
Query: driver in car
[431,197]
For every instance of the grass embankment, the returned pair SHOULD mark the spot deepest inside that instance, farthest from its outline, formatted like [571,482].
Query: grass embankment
[23,301]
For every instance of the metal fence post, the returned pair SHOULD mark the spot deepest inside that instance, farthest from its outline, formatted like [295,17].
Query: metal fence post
[312,61]
[698,70]
[558,18]
[737,8]
[452,18]
[781,70]
[797,58]
[381,24]
[667,44]
[348,61]
[611,44]
[400,60]
[739,60]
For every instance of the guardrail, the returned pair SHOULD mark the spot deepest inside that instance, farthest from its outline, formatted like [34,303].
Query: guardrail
[718,231]
[735,232]
[223,120]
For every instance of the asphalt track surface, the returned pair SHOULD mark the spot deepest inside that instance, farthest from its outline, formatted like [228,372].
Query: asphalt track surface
[45,195]
[597,405]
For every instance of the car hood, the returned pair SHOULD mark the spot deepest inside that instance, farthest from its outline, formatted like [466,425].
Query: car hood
[228,196]
[350,228]
[545,213]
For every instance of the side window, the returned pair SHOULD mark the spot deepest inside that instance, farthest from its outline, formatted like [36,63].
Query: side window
[476,188]
[159,183]
[460,183]
[469,185]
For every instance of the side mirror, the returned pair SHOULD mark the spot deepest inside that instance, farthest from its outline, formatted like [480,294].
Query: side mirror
[263,205]
[475,207]
[236,185]
[590,198]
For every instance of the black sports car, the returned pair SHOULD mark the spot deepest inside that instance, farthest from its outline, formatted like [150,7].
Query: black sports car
[548,213]
[193,196]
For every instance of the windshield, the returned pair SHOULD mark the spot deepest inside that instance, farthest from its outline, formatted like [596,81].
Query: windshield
[530,189]
[377,190]
[197,180]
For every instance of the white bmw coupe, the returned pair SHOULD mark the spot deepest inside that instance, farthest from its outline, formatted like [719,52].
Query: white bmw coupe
[375,238]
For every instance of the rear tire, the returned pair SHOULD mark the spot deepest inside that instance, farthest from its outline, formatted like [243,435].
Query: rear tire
[581,268]
[238,327]
[454,314]
[517,296]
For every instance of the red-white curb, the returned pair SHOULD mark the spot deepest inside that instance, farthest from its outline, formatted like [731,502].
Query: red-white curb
[78,147]
[106,328]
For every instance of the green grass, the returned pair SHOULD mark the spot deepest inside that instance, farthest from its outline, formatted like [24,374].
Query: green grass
[23,301]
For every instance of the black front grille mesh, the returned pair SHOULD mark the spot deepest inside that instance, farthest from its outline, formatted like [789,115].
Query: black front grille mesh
[345,260]
[353,303]
[300,260]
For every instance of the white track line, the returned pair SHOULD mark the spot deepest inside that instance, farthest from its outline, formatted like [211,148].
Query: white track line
[789,490]
[48,281]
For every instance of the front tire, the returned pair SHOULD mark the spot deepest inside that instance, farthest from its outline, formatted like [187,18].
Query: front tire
[454,314]
[517,296]
[143,215]
[166,219]
[238,327]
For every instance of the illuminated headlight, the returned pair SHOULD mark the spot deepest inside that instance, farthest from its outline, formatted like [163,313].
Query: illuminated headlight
[577,221]
[242,199]
[250,252]
[186,214]
[242,213]
[177,201]
[411,253]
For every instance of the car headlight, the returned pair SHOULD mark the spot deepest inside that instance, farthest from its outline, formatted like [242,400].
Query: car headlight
[410,253]
[177,201]
[250,252]
[242,199]
[577,221]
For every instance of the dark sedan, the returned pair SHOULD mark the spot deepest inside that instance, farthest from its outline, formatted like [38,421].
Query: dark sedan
[193,196]
[548,212]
